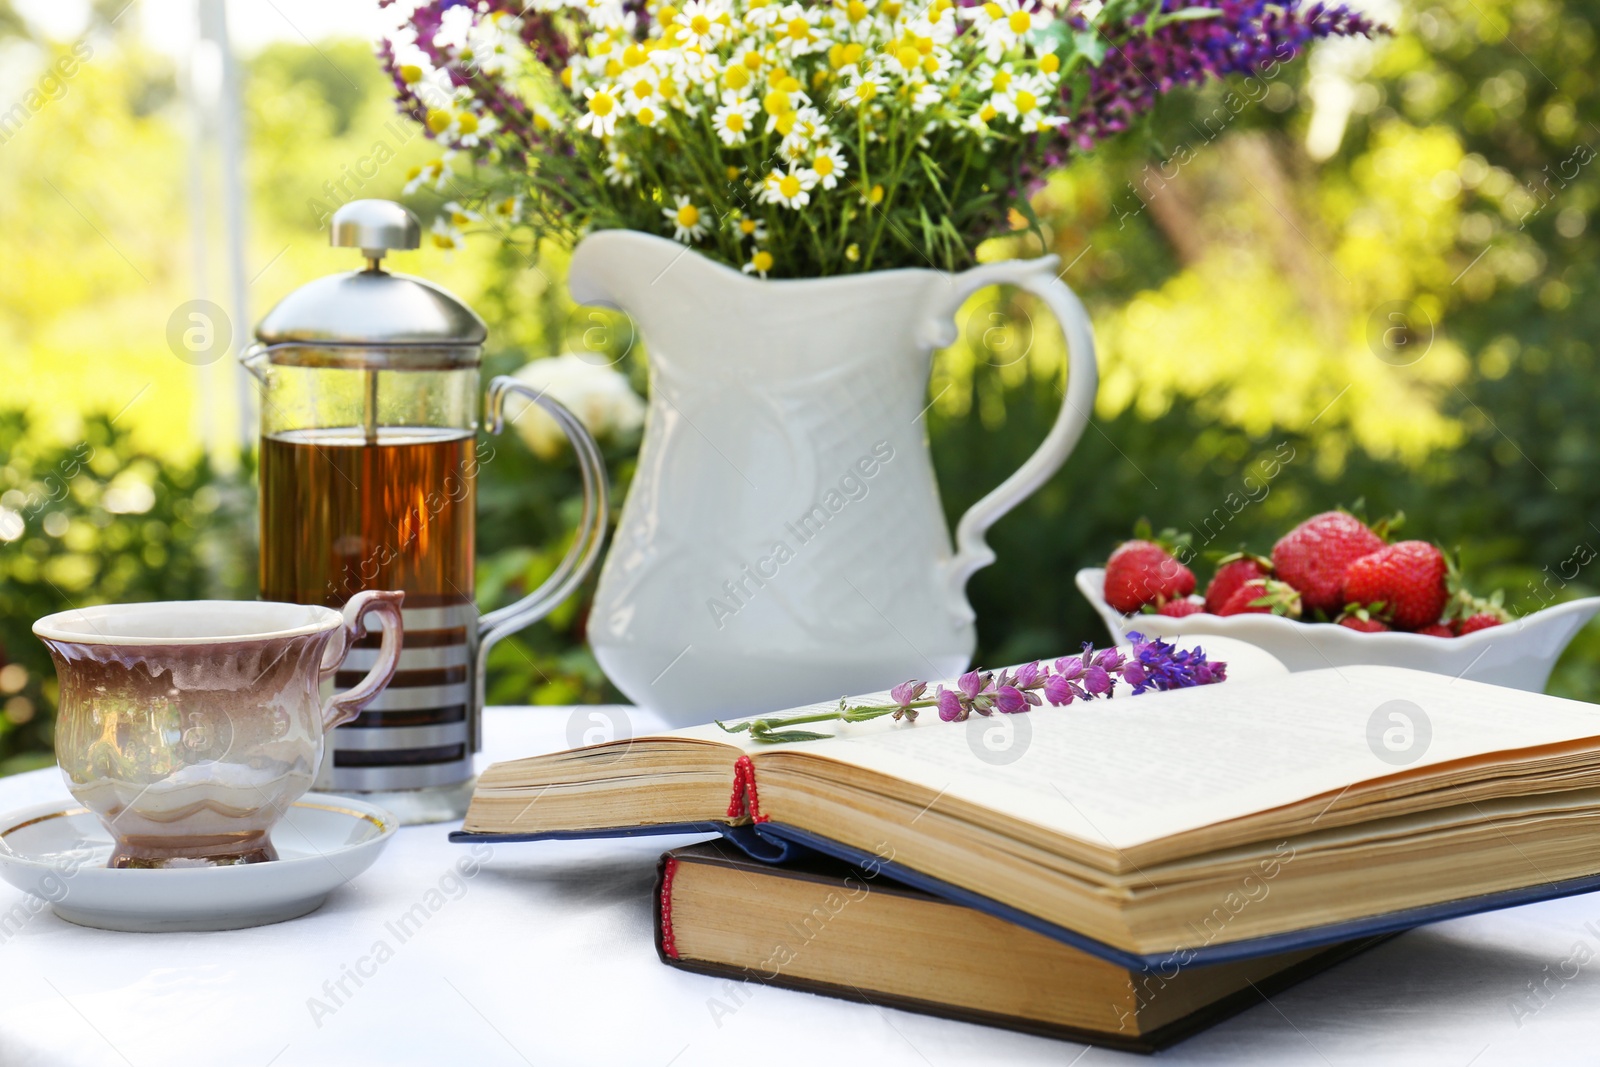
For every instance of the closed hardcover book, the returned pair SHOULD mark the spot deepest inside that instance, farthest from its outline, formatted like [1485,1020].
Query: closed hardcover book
[825,927]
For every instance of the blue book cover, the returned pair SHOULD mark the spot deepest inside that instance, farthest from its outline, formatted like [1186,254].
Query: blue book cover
[774,842]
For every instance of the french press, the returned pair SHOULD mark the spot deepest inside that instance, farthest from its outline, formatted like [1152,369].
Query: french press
[369,461]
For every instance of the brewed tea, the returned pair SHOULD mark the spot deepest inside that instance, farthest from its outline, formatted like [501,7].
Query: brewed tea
[339,515]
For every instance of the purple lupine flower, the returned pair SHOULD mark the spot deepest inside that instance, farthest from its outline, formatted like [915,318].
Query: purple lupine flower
[1009,700]
[1096,681]
[972,684]
[951,709]
[1109,660]
[1070,667]
[907,692]
[1028,675]
[1060,690]
[1245,37]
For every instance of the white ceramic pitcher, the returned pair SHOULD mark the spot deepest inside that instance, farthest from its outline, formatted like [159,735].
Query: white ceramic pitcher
[783,540]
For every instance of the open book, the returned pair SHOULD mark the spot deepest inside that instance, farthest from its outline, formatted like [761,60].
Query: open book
[825,927]
[1267,812]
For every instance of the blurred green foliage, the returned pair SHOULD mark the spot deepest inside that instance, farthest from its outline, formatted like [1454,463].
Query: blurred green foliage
[1243,264]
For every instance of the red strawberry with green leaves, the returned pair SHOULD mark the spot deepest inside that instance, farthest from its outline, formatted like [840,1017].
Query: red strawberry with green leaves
[1177,609]
[1469,613]
[1407,576]
[1142,572]
[1313,557]
[1264,596]
[1366,619]
[1232,572]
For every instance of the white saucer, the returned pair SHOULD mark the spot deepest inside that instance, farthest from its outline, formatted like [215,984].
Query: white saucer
[57,852]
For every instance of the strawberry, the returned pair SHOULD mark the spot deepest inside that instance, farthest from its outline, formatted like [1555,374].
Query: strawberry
[1368,619]
[1232,572]
[1473,623]
[1263,596]
[1407,576]
[1177,609]
[1142,572]
[1313,557]
[1436,629]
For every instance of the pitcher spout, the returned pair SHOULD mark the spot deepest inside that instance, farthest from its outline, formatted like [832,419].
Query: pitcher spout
[614,268]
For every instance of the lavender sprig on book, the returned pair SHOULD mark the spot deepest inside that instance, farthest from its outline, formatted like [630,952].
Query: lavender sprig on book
[1154,664]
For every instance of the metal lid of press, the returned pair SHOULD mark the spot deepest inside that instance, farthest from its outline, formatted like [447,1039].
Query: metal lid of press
[372,308]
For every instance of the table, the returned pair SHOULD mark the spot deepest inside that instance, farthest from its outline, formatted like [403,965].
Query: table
[545,957]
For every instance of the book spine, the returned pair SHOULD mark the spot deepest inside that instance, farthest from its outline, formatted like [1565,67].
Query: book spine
[744,801]
[669,867]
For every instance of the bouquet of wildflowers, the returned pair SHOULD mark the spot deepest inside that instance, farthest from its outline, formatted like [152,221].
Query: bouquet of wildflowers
[799,138]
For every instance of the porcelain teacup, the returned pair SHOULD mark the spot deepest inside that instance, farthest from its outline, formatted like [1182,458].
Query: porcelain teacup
[190,727]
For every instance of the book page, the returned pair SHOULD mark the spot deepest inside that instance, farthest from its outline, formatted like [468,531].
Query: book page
[1130,770]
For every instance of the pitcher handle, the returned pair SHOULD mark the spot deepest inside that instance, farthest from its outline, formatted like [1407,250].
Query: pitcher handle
[342,707]
[1039,277]
[575,566]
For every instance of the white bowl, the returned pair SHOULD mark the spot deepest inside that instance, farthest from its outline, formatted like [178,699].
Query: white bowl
[1518,654]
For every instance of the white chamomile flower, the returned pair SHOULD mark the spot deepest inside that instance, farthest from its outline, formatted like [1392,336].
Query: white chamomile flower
[508,209]
[703,22]
[923,96]
[829,166]
[446,235]
[1004,23]
[759,263]
[620,171]
[544,119]
[796,31]
[697,66]
[496,43]
[862,90]
[457,124]
[760,14]
[733,119]
[436,173]
[688,223]
[755,229]
[608,14]
[600,114]
[1024,102]
[791,190]
[995,79]
[806,128]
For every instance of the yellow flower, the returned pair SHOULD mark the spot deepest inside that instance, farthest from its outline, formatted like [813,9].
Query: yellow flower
[759,263]
[688,224]
[410,74]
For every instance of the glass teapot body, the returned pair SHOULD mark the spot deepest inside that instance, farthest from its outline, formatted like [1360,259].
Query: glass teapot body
[368,481]
[369,464]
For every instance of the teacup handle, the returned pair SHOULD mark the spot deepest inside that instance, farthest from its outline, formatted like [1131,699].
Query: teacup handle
[1039,277]
[342,707]
[586,546]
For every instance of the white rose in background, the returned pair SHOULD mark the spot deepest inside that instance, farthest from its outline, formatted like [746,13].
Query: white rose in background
[597,394]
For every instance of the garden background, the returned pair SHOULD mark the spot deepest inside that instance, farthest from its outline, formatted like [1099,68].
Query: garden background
[1371,279]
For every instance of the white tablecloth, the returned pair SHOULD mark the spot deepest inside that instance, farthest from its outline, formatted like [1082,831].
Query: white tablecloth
[545,957]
